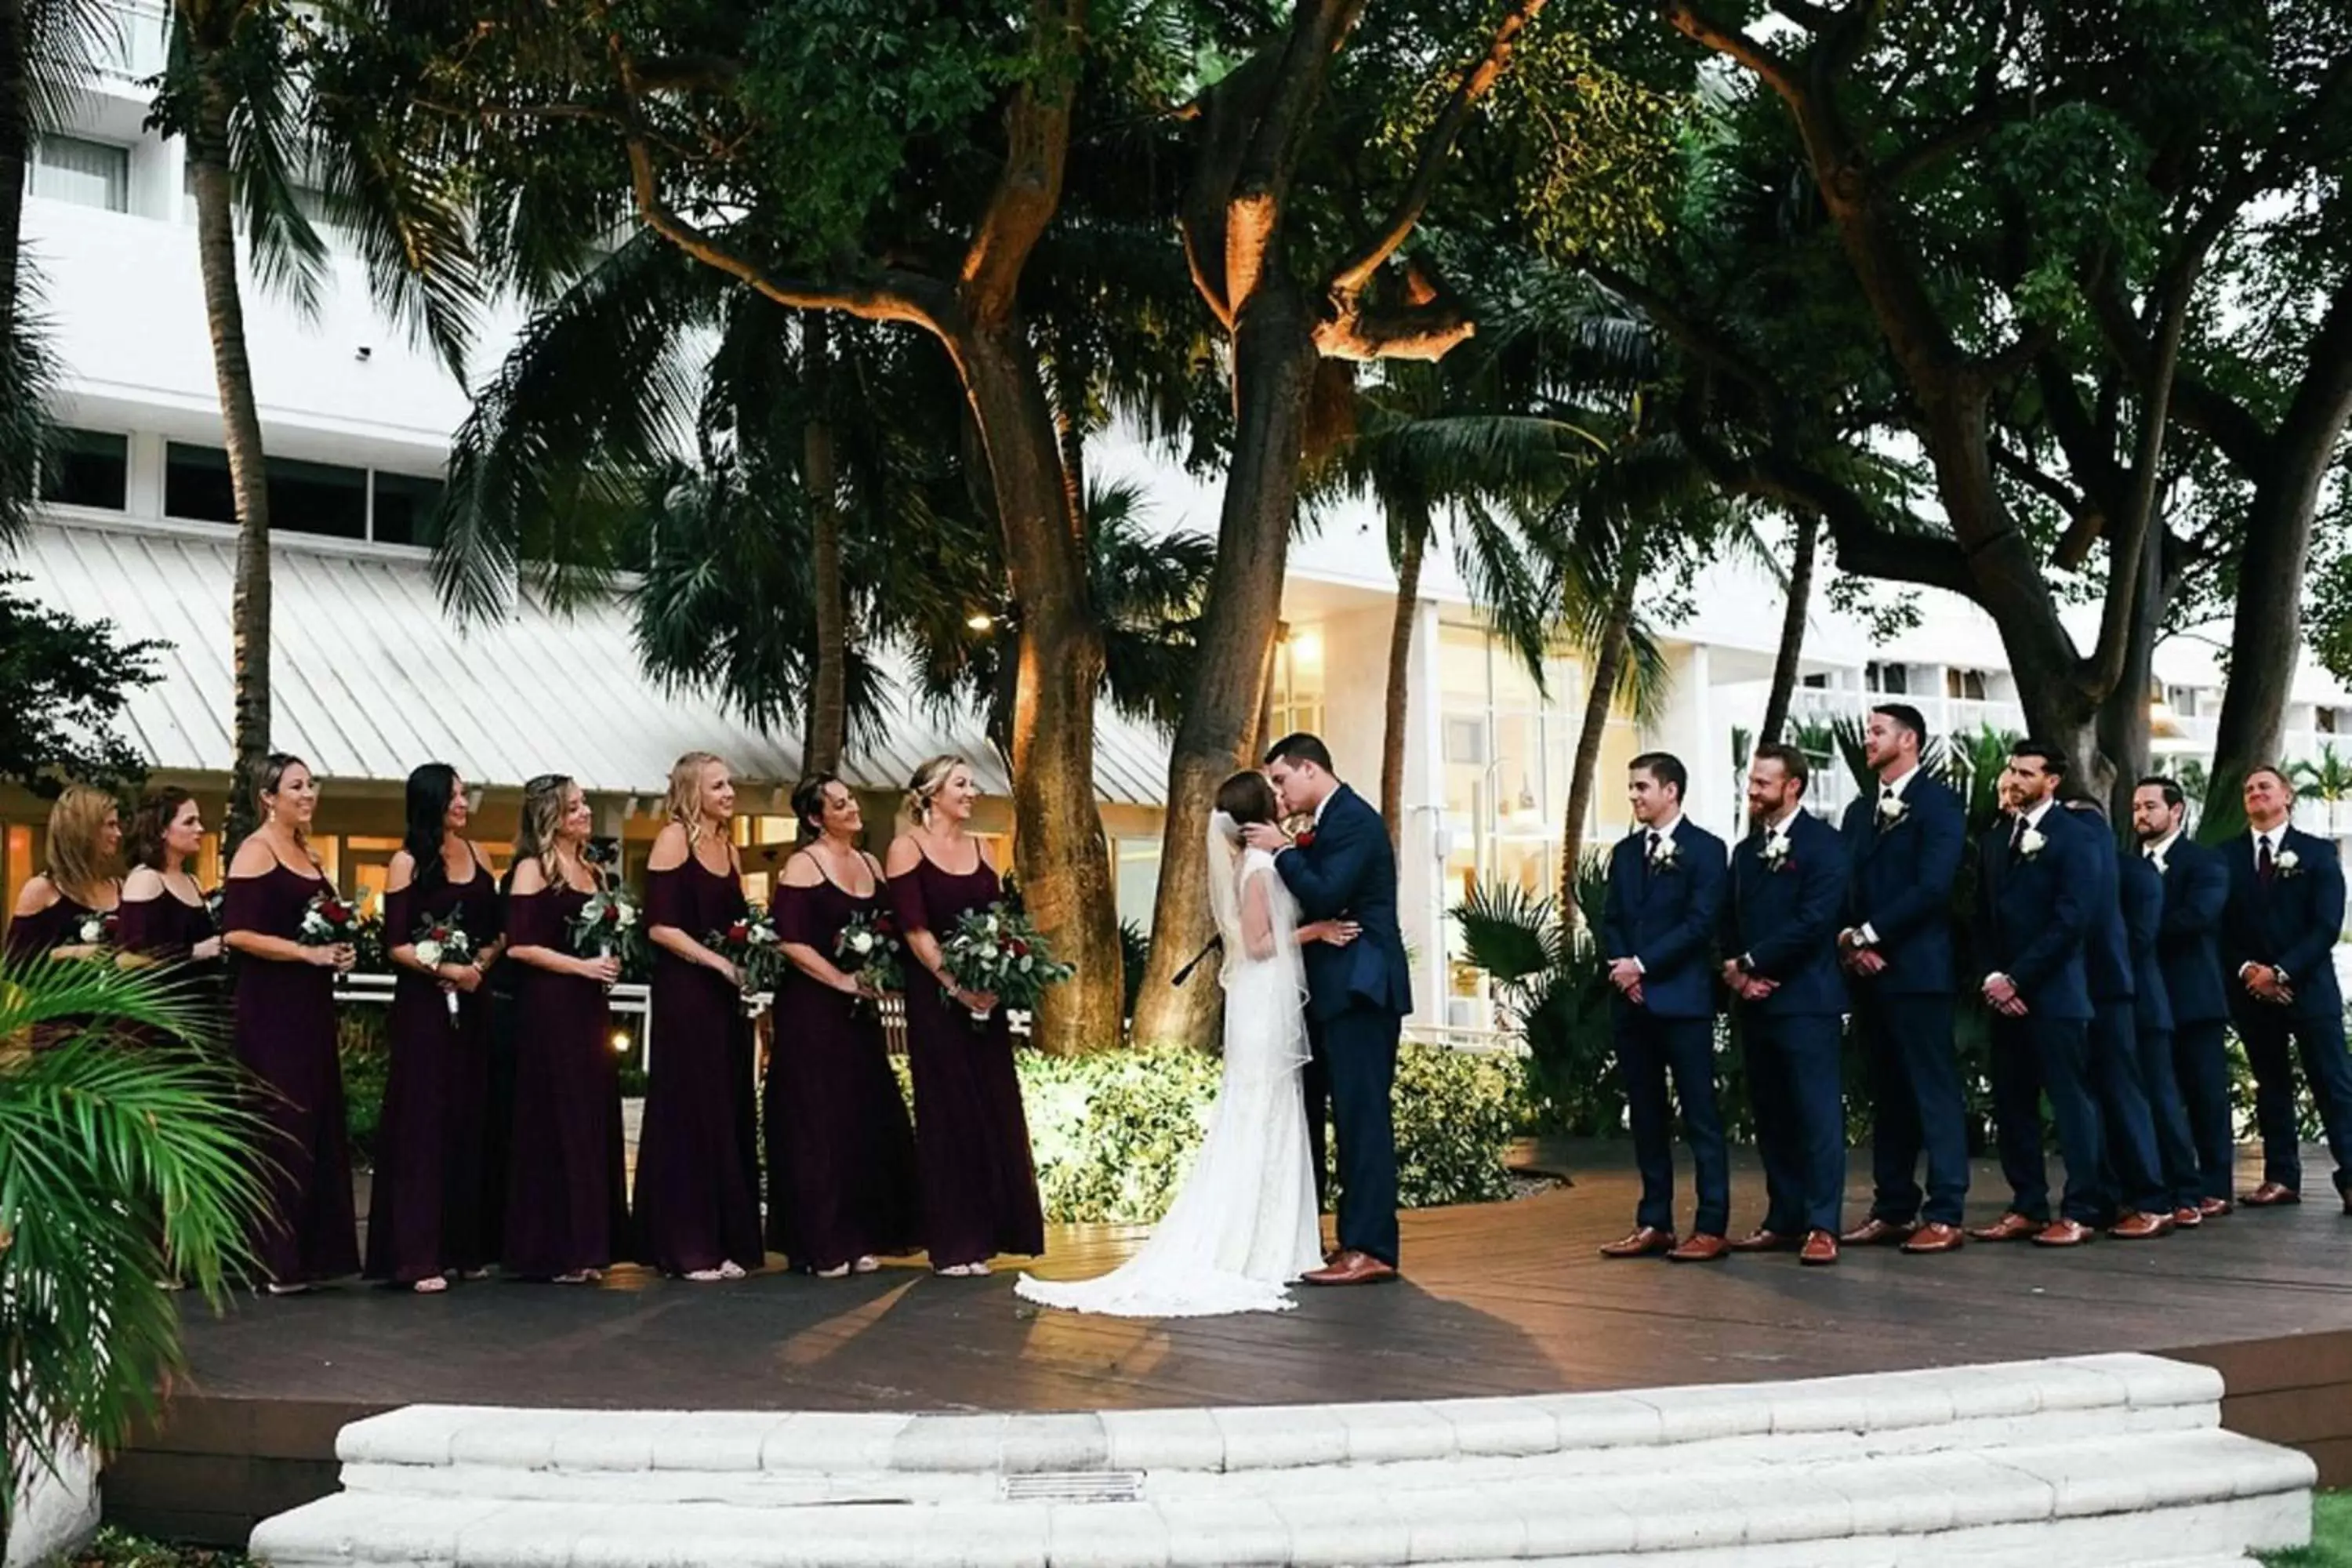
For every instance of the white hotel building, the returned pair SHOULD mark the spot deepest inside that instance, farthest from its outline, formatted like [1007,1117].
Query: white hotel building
[371,678]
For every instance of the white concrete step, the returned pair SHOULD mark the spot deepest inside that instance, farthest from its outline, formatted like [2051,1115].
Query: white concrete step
[2094,1462]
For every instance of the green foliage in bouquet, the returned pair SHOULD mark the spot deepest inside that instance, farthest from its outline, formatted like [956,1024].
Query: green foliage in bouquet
[999,951]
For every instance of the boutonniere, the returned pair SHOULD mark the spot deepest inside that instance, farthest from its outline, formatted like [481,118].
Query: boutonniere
[1666,854]
[1776,853]
[2288,863]
[1892,810]
[2031,846]
[1303,839]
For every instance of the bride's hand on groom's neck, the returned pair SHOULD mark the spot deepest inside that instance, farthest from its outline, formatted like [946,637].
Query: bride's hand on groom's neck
[1266,836]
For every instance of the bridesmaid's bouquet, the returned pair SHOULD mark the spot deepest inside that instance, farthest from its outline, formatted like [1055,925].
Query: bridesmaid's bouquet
[869,946]
[444,940]
[98,927]
[329,919]
[752,945]
[607,925]
[997,950]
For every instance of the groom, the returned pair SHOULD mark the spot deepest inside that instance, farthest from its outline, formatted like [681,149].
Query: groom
[1356,995]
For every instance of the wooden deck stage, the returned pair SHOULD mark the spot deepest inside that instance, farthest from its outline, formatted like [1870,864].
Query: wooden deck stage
[1503,1299]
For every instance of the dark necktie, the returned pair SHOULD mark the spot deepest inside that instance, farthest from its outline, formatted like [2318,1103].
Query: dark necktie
[1650,851]
[2017,838]
[2263,864]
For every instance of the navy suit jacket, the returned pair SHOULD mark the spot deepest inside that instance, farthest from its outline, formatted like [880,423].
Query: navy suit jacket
[2032,914]
[2140,890]
[1667,917]
[1901,884]
[2106,946]
[1786,920]
[2196,892]
[1349,869]
[2293,922]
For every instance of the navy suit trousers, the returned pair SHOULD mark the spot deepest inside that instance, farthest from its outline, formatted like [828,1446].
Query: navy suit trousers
[2032,1056]
[1649,1048]
[2135,1177]
[2201,1067]
[1352,1069]
[2273,1043]
[1793,1082]
[1915,1106]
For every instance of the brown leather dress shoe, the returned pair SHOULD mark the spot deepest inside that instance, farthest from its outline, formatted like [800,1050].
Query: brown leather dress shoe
[2271,1194]
[2188,1217]
[1878,1233]
[1644,1241]
[1701,1248]
[1935,1236]
[1352,1268]
[2139,1227]
[2065,1233]
[1819,1251]
[1763,1240]
[2010,1227]
[2214,1208]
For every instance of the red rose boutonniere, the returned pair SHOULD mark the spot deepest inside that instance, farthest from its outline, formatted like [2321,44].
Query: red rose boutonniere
[1303,839]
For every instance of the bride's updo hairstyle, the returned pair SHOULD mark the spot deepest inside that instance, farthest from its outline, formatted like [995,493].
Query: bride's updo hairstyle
[1248,799]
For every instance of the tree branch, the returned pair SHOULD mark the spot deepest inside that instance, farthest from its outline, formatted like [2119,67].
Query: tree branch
[1350,277]
[1029,188]
[1734,45]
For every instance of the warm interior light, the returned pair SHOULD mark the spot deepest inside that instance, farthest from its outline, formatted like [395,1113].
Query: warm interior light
[620,1041]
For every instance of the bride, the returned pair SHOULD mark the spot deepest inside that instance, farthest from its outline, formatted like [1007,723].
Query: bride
[1244,1225]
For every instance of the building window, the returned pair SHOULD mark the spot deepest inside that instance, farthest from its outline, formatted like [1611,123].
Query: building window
[305,498]
[88,467]
[1964,685]
[407,510]
[1297,692]
[86,174]
[1134,878]
[1887,680]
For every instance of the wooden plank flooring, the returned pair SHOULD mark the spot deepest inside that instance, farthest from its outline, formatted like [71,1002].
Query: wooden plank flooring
[1502,1298]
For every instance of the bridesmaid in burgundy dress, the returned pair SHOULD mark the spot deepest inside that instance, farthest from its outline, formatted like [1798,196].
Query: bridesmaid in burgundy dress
[165,918]
[697,1199]
[972,1137]
[841,1158]
[424,1221]
[79,886]
[565,1212]
[284,1035]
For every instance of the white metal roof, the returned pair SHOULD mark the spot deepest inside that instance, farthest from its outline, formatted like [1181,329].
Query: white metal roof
[370,677]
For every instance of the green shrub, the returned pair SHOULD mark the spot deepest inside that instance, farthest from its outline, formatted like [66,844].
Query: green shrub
[359,1042]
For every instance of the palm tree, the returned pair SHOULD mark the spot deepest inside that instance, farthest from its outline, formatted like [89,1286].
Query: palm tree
[2326,779]
[256,89]
[117,1166]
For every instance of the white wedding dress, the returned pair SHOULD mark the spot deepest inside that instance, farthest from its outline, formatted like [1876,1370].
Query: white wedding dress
[1244,1225]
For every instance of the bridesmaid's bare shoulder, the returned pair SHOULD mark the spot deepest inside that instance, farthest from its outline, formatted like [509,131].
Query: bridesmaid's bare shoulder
[143,886]
[671,846]
[400,872]
[37,894]
[906,854]
[801,870]
[529,877]
[254,857]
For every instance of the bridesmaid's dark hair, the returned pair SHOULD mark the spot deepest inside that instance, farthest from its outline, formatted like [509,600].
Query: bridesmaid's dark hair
[157,808]
[431,788]
[1248,798]
[808,802]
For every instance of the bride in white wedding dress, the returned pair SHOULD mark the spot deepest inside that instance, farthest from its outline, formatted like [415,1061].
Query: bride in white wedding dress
[1244,1225]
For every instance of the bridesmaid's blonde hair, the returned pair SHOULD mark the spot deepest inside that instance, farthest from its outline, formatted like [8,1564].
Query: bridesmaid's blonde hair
[685,804]
[542,823]
[927,781]
[75,822]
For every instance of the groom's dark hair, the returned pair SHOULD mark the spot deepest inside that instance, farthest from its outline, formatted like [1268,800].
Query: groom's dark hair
[1247,798]
[1301,747]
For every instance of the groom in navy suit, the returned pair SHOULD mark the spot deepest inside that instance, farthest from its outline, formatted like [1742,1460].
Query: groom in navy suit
[2279,932]
[1356,995]
[1657,930]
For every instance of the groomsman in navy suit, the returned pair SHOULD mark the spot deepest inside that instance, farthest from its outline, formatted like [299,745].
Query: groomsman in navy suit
[2188,950]
[1780,928]
[1906,842]
[2037,885]
[2141,891]
[2141,1202]
[1657,927]
[2278,944]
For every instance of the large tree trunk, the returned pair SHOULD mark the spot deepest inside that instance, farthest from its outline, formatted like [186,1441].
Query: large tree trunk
[828,709]
[1608,664]
[1274,358]
[1413,530]
[1792,627]
[1059,846]
[2124,725]
[2266,636]
[208,147]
